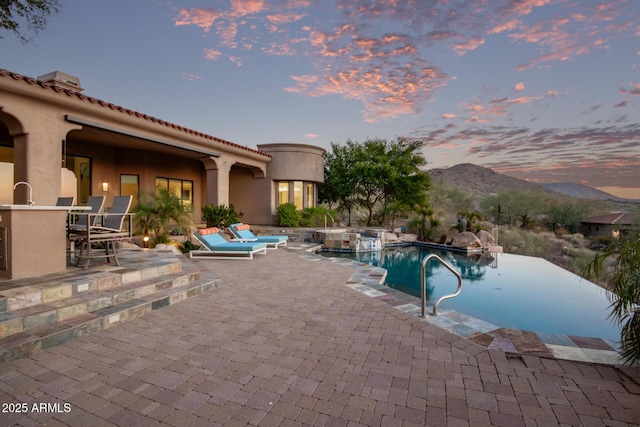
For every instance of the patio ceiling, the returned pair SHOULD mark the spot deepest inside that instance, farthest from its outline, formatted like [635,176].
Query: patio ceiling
[103,134]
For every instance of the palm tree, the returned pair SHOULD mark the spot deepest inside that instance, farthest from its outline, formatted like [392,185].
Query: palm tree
[624,284]
[154,211]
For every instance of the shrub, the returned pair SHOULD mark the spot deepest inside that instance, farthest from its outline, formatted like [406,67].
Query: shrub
[153,213]
[315,217]
[220,216]
[188,246]
[288,215]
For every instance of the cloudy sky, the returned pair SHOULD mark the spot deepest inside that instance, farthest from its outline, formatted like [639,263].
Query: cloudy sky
[545,90]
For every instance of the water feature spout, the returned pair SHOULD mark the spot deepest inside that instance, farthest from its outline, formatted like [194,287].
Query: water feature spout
[30,199]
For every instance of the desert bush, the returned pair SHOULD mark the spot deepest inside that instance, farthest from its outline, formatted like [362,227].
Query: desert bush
[570,252]
[315,217]
[288,215]
[220,216]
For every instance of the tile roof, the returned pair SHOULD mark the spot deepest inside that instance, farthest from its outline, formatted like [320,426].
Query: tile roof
[74,94]
[621,218]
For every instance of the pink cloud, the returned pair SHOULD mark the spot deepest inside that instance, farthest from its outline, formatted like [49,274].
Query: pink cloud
[471,44]
[203,18]
[285,18]
[599,156]
[634,91]
[374,52]
[212,54]
[247,7]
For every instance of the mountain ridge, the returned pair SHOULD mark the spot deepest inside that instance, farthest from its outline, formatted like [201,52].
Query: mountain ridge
[481,182]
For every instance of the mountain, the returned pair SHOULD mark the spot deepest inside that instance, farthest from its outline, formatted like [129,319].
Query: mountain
[580,190]
[481,182]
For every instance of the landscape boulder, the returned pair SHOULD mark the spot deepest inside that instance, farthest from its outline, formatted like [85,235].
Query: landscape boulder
[409,238]
[486,238]
[390,237]
[163,247]
[466,239]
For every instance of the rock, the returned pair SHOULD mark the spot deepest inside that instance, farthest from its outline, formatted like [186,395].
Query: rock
[163,247]
[390,237]
[409,238]
[466,239]
[486,238]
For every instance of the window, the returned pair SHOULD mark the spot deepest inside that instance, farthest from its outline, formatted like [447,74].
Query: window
[283,192]
[297,194]
[304,193]
[182,189]
[310,199]
[129,185]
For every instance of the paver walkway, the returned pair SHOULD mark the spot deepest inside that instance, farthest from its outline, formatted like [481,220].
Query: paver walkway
[283,341]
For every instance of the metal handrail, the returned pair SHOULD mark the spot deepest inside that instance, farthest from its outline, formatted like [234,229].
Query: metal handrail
[423,285]
[325,219]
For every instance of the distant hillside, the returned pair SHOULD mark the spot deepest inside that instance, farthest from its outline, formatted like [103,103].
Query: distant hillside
[481,182]
[580,190]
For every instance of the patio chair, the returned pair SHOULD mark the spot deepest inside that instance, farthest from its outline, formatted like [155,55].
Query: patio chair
[112,229]
[65,201]
[217,247]
[243,232]
[77,222]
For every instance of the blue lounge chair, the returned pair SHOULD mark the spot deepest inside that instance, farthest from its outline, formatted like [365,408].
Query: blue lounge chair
[243,232]
[216,247]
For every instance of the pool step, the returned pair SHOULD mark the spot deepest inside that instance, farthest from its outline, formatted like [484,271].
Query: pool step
[70,310]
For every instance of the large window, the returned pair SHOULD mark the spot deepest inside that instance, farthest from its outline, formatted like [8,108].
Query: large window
[182,189]
[297,194]
[310,197]
[283,192]
[302,194]
[129,185]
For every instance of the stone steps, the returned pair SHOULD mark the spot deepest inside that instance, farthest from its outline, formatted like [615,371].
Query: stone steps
[39,314]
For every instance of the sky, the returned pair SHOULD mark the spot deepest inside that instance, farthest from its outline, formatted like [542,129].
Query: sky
[542,90]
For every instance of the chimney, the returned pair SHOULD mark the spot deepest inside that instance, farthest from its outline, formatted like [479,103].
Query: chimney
[63,80]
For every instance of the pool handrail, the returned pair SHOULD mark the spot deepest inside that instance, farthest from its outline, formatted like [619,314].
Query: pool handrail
[423,285]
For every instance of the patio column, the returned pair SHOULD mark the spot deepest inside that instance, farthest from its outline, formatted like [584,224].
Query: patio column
[217,181]
[38,159]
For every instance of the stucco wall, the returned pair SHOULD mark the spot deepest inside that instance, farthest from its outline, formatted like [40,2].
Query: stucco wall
[108,163]
[251,196]
[297,162]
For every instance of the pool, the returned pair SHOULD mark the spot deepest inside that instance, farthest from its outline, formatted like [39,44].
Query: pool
[509,291]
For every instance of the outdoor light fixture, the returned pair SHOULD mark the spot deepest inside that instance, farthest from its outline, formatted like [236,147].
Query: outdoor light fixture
[145,241]
[105,186]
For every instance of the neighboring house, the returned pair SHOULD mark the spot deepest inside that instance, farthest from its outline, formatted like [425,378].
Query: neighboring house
[612,225]
[66,143]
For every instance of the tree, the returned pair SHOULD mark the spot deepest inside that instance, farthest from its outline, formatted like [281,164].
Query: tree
[567,214]
[339,180]
[33,12]
[154,211]
[407,183]
[515,206]
[381,176]
[624,283]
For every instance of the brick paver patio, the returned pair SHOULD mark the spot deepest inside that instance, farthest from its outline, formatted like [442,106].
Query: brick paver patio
[283,341]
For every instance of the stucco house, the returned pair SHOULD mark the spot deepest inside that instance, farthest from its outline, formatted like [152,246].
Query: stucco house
[66,143]
[612,225]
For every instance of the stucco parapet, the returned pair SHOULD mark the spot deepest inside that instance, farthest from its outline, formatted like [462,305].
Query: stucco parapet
[291,147]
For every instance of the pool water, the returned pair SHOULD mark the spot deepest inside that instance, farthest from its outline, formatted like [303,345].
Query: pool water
[509,291]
